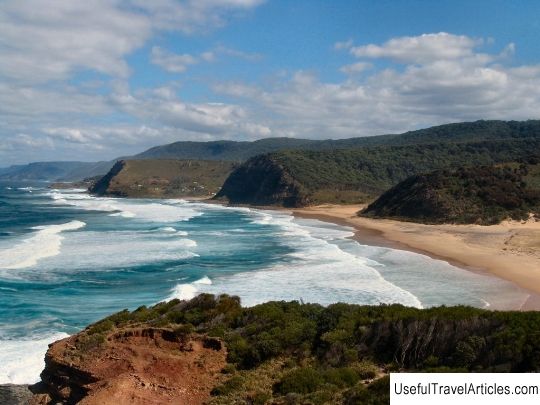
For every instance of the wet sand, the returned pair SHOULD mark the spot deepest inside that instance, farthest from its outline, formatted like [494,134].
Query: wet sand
[510,250]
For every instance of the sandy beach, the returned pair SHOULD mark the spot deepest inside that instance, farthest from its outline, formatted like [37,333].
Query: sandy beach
[510,250]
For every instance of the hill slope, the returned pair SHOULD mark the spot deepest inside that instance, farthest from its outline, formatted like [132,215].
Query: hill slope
[54,171]
[299,178]
[280,352]
[481,195]
[240,151]
[163,178]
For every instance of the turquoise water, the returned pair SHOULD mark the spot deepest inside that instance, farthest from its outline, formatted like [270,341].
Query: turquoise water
[68,259]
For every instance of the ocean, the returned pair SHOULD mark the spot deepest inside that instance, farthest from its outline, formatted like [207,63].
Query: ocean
[68,259]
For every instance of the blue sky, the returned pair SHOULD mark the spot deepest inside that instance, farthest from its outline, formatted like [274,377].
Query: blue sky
[95,79]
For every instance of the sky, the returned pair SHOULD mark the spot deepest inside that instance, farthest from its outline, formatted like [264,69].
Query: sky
[95,79]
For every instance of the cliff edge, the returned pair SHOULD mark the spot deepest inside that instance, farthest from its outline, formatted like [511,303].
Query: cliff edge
[131,365]
[163,178]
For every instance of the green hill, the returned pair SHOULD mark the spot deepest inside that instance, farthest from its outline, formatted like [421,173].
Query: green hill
[299,178]
[241,151]
[292,353]
[482,195]
[163,178]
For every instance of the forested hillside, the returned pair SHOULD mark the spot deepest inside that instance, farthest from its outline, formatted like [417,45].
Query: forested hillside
[298,178]
[292,353]
[240,151]
[481,195]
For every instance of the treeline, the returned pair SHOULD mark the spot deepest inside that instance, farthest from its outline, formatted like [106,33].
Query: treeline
[287,352]
[240,151]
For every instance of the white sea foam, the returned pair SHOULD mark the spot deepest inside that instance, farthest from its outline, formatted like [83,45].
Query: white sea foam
[205,280]
[23,360]
[123,214]
[29,189]
[163,211]
[89,251]
[189,290]
[317,270]
[183,292]
[167,229]
[46,242]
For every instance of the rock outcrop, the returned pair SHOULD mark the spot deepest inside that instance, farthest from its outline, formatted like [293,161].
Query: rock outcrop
[262,181]
[133,365]
[12,394]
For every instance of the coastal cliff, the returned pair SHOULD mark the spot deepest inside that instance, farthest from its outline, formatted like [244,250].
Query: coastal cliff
[262,180]
[211,350]
[131,365]
[355,176]
[163,178]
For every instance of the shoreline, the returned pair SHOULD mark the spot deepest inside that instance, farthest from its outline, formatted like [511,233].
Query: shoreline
[509,251]
[479,249]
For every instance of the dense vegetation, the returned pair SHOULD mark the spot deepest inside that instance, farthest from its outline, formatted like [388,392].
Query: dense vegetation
[241,151]
[292,353]
[163,178]
[296,178]
[482,195]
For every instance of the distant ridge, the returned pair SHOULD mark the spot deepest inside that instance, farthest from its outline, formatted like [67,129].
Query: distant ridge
[54,171]
[348,176]
[239,151]
[163,178]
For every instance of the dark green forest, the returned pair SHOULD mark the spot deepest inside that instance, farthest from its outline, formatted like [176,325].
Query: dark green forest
[299,178]
[292,353]
[482,195]
[240,151]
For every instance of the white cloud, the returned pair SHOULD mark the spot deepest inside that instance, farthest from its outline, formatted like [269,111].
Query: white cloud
[192,15]
[344,44]
[161,107]
[355,68]
[249,56]
[42,40]
[171,62]
[421,49]
[178,63]
[44,44]
[444,79]
[45,40]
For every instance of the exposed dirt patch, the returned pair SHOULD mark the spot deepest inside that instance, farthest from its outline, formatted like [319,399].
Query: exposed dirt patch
[133,366]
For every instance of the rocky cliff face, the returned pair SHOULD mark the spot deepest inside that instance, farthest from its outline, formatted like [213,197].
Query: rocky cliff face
[262,181]
[11,394]
[132,365]
[163,178]
[101,187]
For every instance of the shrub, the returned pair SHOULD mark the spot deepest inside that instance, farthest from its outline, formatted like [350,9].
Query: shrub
[300,381]
[101,327]
[232,384]
[341,377]
[90,342]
